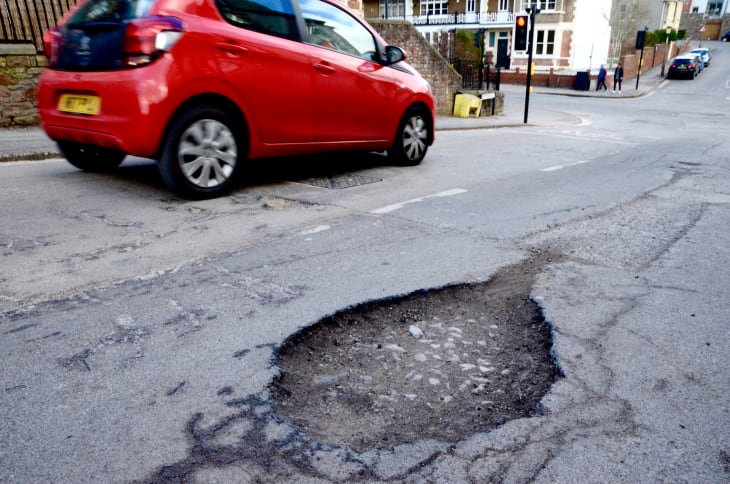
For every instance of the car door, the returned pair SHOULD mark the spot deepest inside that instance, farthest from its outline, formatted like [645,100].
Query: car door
[259,52]
[354,96]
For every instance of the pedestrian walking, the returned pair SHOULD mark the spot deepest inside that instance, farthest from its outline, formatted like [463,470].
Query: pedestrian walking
[601,79]
[618,76]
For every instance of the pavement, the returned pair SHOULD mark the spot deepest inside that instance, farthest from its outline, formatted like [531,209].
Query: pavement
[31,143]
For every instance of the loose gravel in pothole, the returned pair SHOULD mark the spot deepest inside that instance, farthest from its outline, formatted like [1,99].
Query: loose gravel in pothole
[442,364]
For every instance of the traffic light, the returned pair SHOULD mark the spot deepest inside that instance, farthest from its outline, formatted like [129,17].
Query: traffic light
[521,22]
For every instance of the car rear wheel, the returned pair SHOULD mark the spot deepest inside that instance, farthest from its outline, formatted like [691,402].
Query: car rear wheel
[201,155]
[411,141]
[89,157]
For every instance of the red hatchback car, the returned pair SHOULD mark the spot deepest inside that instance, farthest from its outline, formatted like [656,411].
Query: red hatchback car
[204,85]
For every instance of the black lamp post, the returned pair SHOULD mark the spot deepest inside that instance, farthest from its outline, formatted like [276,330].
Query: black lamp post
[532,10]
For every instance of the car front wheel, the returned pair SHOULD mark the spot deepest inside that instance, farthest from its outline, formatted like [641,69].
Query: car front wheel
[201,155]
[89,157]
[411,141]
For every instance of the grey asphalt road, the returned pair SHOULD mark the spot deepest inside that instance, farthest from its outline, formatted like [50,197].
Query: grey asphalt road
[139,332]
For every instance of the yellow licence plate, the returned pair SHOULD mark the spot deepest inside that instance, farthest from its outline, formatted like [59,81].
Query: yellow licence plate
[79,104]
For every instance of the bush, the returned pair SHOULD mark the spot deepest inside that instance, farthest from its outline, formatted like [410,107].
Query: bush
[465,48]
[652,39]
[662,36]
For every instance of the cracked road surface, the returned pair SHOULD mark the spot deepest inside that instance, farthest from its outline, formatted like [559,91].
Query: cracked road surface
[145,339]
[630,398]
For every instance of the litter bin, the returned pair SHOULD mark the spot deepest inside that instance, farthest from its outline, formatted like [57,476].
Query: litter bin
[582,81]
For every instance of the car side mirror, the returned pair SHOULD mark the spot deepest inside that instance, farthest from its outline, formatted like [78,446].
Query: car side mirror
[393,55]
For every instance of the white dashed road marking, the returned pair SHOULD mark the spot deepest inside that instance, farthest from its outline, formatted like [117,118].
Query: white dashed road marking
[398,206]
[560,167]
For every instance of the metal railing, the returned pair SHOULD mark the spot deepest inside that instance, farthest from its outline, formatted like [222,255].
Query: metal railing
[26,20]
[475,75]
[476,18]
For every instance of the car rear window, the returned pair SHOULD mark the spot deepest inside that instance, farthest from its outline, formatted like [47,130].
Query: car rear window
[91,39]
[110,11]
[681,61]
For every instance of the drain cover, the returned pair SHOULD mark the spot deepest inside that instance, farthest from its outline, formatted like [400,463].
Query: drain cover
[340,181]
[441,364]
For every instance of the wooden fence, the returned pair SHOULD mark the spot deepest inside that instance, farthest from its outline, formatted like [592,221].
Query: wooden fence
[26,20]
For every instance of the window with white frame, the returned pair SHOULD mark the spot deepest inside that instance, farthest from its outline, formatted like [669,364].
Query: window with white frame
[714,8]
[544,42]
[434,7]
[541,4]
[396,8]
[503,5]
[471,6]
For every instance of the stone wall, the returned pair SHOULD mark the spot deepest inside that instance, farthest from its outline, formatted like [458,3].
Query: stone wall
[444,80]
[20,66]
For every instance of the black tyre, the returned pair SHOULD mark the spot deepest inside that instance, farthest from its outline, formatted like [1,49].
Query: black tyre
[412,138]
[90,158]
[202,154]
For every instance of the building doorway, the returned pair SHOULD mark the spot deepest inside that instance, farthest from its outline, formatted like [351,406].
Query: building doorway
[503,59]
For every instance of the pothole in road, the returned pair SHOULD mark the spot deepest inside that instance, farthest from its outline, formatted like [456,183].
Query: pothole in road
[441,363]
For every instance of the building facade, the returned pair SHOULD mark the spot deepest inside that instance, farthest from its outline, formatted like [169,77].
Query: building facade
[671,15]
[707,19]
[711,8]
[570,35]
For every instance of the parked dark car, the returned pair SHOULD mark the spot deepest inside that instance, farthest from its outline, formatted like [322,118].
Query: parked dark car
[684,66]
[726,37]
[206,86]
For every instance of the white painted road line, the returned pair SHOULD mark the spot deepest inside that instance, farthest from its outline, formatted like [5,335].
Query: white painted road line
[560,167]
[398,206]
[315,230]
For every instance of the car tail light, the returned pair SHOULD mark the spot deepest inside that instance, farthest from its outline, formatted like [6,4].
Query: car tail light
[51,44]
[146,39]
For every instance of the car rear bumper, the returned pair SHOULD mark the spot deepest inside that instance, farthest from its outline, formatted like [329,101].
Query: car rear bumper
[132,113]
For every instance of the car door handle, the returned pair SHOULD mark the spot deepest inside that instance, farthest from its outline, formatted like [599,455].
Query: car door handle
[231,48]
[325,68]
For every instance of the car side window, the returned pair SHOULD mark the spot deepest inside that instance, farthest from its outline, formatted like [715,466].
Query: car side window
[334,28]
[272,17]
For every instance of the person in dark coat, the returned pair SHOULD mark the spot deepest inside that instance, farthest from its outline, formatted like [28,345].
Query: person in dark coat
[618,76]
[601,79]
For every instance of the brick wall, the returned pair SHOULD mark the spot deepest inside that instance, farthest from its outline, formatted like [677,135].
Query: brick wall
[20,66]
[444,80]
